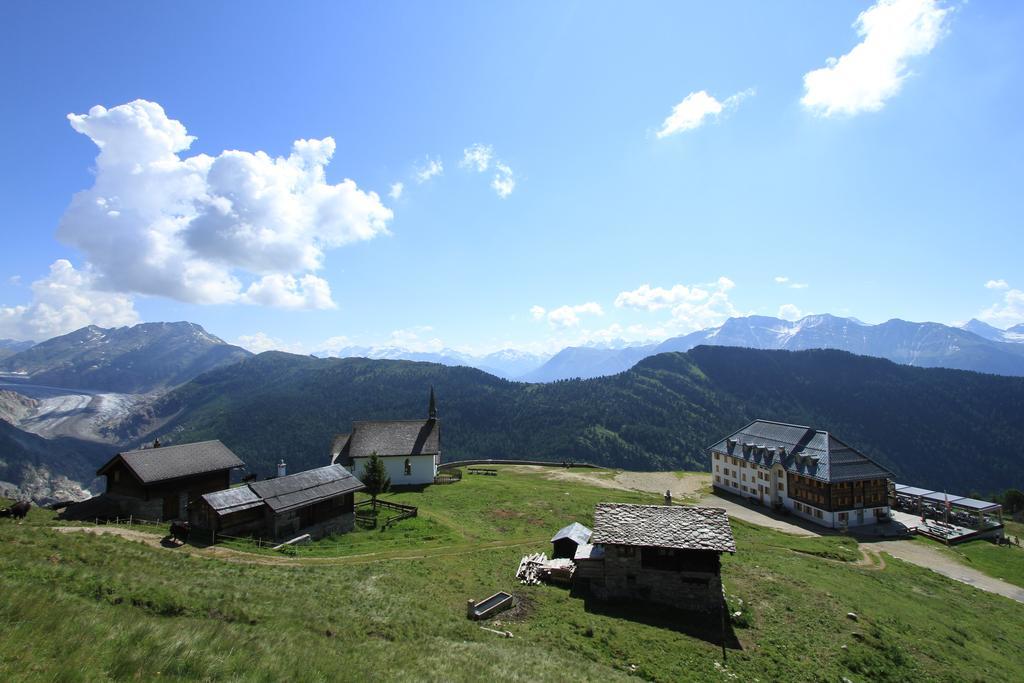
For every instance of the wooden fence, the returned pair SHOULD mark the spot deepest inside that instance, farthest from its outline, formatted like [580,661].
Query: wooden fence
[404,511]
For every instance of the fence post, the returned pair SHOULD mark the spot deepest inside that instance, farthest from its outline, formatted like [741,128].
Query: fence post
[130,518]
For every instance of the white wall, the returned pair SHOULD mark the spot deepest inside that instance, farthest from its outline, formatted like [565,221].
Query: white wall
[423,469]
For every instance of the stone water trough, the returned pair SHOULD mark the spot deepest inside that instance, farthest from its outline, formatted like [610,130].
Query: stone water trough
[485,609]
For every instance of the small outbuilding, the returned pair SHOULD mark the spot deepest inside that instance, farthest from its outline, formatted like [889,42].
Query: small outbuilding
[656,553]
[318,502]
[568,539]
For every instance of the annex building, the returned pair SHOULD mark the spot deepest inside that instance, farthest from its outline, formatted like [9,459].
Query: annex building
[806,471]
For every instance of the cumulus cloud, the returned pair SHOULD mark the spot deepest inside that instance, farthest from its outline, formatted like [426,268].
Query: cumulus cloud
[892,32]
[63,301]
[697,108]
[431,168]
[197,228]
[504,180]
[260,342]
[997,284]
[789,312]
[416,339]
[477,157]
[692,307]
[287,291]
[1008,312]
[566,316]
[396,190]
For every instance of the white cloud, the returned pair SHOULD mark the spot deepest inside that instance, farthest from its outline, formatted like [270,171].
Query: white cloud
[566,316]
[63,301]
[335,344]
[396,190]
[415,339]
[260,342]
[696,108]
[1007,313]
[997,284]
[789,312]
[432,167]
[196,228]
[504,180]
[783,280]
[478,157]
[693,307]
[892,32]
[286,291]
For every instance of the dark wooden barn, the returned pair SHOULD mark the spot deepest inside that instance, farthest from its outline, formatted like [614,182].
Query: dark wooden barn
[318,502]
[159,483]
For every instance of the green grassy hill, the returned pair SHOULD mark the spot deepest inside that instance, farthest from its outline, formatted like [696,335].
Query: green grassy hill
[942,429]
[391,606]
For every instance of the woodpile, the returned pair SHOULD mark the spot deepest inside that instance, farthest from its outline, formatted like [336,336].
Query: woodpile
[537,567]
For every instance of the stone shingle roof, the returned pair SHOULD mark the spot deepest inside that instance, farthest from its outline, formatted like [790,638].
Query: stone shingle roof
[802,450]
[389,437]
[663,526]
[305,488]
[575,531]
[151,465]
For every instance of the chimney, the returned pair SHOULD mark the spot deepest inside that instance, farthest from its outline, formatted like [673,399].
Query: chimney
[156,443]
[668,497]
[282,469]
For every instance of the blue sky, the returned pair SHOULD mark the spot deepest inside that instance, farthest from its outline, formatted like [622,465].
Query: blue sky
[650,169]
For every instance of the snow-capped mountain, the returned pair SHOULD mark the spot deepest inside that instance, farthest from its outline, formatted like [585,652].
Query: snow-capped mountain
[922,344]
[1014,335]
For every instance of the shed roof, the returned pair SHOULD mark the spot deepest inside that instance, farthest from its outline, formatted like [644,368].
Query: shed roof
[575,531]
[389,437]
[802,450]
[173,462]
[305,488]
[663,526]
[232,500]
[588,551]
[905,490]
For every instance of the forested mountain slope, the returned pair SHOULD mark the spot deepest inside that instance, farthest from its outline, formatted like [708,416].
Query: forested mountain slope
[934,427]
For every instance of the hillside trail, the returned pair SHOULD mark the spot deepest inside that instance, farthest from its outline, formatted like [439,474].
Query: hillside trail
[156,540]
[681,486]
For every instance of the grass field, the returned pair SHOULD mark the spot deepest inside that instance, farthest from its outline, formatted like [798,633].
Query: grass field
[1001,562]
[391,605]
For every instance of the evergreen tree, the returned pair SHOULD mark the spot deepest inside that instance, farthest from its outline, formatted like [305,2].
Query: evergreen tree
[375,477]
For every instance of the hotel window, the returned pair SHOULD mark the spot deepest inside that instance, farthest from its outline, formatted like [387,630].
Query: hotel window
[817,513]
[743,477]
[716,456]
[780,485]
[716,468]
[718,480]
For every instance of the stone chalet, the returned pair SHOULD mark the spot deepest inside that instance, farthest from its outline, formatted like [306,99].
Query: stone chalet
[656,553]
[318,502]
[410,449]
[806,471]
[159,483]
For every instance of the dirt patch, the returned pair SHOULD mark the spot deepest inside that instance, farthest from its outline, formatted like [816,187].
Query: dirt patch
[648,482]
[522,609]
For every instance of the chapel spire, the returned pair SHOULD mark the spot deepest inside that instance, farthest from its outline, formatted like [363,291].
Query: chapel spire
[432,410]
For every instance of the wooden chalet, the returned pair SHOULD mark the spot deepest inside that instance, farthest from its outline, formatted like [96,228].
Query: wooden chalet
[809,472]
[662,554]
[318,502]
[160,482]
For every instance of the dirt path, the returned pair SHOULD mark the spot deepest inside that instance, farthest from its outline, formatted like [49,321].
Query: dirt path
[930,558]
[759,516]
[156,540]
[649,482]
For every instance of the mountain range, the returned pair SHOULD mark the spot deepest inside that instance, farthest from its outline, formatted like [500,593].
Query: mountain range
[974,346]
[933,427]
[137,359]
[506,363]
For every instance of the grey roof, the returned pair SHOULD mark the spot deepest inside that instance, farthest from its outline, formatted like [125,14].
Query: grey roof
[940,497]
[232,500]
[802,450]
[589,551]
[305,488]
[975,504]
[392,437]
[663,526]
[173,462]
[575,531]
[905,490]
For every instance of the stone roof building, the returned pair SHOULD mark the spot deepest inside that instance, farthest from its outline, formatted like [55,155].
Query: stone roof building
[410,449]
[807,471]
[656,553]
